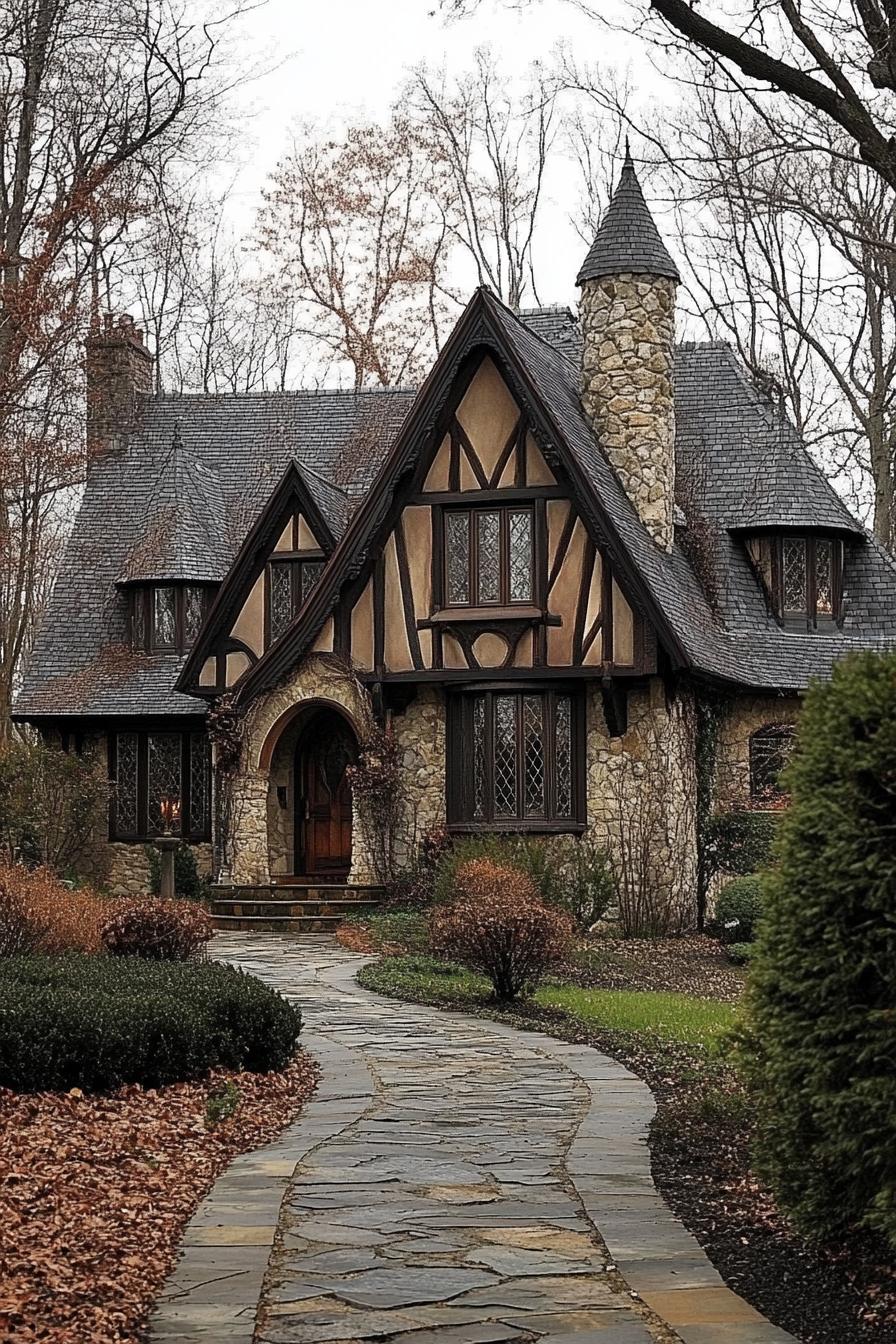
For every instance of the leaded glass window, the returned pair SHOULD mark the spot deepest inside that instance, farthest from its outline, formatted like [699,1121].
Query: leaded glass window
[281,599]
[457,558]
[824,578]
[770,749]
[488,557]
[162,783]
[126,784]
[311,571]
[164,618]
[514,760]
[794,575]
[163,789]
[200,783]
[194,612]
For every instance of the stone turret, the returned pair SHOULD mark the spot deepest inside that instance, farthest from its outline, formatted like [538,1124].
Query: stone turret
[119,371]
[627,315]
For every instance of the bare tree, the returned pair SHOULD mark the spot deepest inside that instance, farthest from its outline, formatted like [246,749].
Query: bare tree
[355,240]
[493,148]
[91,93]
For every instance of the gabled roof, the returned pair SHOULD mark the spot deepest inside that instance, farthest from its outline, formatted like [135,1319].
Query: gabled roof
[627,239]
[292,492]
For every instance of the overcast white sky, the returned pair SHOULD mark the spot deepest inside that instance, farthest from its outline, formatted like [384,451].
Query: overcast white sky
[344,58]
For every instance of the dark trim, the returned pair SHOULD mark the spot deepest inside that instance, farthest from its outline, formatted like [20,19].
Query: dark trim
[504,457]
[290,492]
[407,597]
[470,454]
[379,613]
[143,734]
[511,494]
[463,674]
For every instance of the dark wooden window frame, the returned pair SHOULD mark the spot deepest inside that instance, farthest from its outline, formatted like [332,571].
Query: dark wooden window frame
[764,794]
[143,835]
[296,560]
[143,602]
[504,509]
[810,619]
[460,776]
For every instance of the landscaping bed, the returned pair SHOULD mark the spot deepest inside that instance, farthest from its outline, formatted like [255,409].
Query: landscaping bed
[95,1192]
[700,1141]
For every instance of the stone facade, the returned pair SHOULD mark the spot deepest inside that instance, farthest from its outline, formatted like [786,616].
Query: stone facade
[744,715]
[628,328]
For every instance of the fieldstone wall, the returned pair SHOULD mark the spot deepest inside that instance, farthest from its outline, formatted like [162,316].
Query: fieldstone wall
[628,325]
[420,734]
[641,799]
[744,716]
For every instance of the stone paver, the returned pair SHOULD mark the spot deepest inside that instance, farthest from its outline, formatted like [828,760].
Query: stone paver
[446,1183]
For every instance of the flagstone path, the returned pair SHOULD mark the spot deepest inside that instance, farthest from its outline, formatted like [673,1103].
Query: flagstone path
[453,1181]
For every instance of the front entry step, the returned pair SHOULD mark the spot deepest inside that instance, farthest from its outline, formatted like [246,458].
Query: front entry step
[299,907]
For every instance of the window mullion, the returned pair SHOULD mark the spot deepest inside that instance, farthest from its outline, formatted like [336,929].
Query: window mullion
[185,785]
[142,783]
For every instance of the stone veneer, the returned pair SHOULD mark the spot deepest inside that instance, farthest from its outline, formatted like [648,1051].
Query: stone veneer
[744,715]
[628,327]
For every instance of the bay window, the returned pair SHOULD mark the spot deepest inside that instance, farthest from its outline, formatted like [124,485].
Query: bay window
[515,760]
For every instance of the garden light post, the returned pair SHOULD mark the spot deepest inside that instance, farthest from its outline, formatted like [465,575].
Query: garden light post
[166,845]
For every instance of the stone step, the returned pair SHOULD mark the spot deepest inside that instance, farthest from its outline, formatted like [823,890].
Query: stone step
[266,909]
[298,891]
[283,924]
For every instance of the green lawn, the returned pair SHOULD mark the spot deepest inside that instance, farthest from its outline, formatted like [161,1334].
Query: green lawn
[677,1017]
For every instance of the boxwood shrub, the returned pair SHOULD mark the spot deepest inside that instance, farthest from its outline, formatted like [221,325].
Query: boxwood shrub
[98,1022]
[738,909]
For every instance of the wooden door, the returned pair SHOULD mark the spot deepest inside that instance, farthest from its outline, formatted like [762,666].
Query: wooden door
[323,826]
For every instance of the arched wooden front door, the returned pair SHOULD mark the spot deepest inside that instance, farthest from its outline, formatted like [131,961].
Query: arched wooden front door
[323,821]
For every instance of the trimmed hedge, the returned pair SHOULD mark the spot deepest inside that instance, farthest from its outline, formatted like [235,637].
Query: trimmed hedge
[99,1022]
[743,901]
[822,1002]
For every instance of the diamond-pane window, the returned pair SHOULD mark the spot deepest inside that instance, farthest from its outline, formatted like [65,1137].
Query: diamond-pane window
[824,578]
[200,783]
[514,759]
[488,558]
[163,785]
[480,748]
[505,756]
[533,755]
[563,754]
[126,784]
[164,621]
[794,575]
[770,750]
[281,601]
[310,573]
[194,610]
[521,557]
[457,554]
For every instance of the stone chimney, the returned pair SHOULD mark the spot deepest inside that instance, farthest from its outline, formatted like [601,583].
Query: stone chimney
[627,316]
[119,370]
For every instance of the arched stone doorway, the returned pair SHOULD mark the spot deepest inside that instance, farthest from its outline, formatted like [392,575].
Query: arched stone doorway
[309,797]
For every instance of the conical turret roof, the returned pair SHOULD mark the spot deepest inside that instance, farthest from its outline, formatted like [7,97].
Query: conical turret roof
[628,239]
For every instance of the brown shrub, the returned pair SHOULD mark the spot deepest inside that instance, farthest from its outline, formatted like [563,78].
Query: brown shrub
[38,913]
[498,925]
[148,926]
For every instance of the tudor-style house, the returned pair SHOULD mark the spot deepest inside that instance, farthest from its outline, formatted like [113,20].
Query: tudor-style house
[528,570]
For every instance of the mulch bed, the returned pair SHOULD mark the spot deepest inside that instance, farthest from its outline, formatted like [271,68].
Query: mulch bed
[95,1192]
[701,1162]
[695,964]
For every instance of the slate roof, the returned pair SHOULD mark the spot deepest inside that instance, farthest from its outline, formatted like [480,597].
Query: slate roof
[729,442]
[627,239]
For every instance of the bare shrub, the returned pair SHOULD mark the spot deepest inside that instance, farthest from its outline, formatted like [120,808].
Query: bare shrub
[496,924]
[38,913]
[160,930]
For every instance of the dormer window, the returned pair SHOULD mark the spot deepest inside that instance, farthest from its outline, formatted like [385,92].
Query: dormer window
[167,617]
[802,578]
[290,582]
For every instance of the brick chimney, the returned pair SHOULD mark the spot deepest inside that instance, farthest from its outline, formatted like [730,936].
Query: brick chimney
[119,370]
[627,316]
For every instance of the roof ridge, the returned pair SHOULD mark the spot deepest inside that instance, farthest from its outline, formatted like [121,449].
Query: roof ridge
[263,393]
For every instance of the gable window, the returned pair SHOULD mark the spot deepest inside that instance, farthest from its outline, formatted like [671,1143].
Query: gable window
[162,782]
[515,761]
[770,749]
[802,577]
[488,557]
[289,584]
[167,618]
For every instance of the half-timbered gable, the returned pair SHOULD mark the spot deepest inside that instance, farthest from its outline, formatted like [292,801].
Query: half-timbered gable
[277,567]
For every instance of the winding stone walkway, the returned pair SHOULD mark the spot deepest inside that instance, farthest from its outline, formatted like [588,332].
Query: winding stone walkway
[453,1181]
